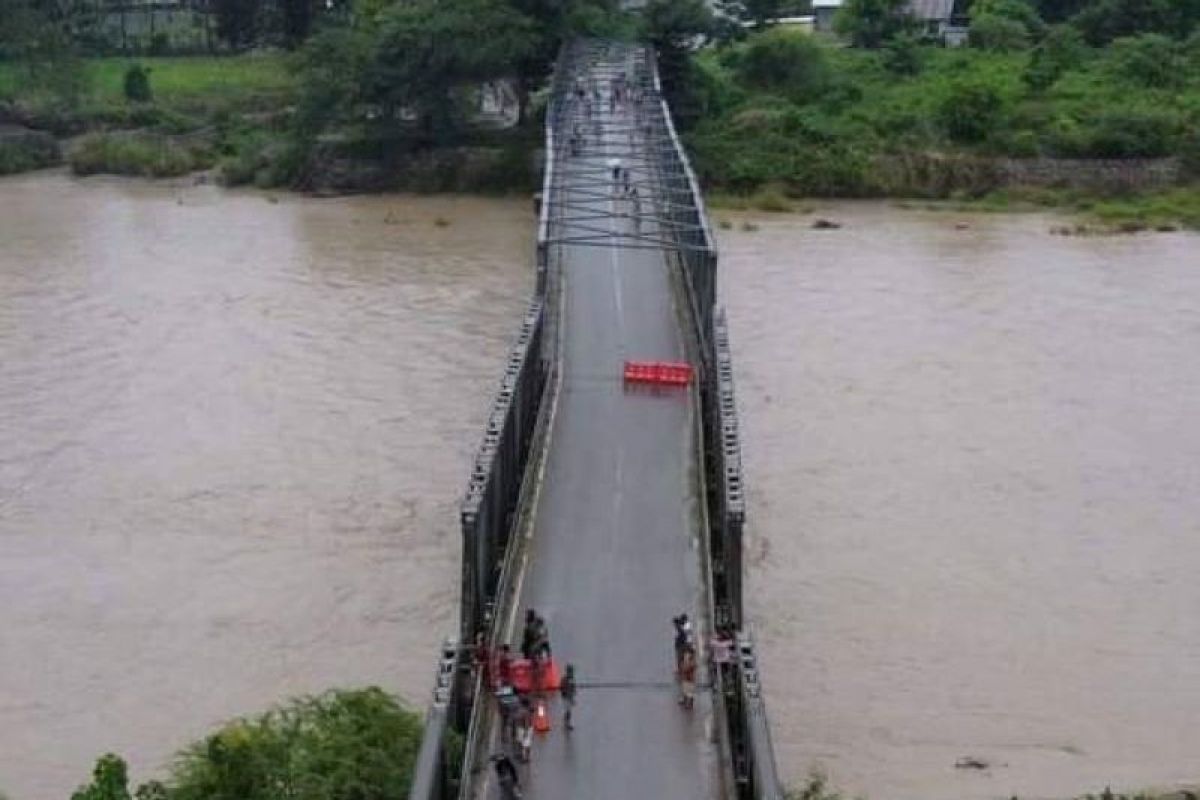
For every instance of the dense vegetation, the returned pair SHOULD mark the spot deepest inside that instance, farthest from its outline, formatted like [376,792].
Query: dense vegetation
[818,120]
[396,87]
[358,744]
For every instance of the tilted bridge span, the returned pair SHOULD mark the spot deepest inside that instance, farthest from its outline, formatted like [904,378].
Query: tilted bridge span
[607,506]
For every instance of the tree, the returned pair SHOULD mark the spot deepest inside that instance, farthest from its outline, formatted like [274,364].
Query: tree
[551,23]
[791,64]
[238,21]
[1151,60]
[359,744]
[902,54]
[428,50]
[1018,11]
[871,23]
[1104,20]
[674,28]
[1061,49]
[994,32]
[110,781]
[297,21]
[969,110]
[137,84]
[40,37]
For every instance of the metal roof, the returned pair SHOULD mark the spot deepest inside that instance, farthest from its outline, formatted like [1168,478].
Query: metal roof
[930,9]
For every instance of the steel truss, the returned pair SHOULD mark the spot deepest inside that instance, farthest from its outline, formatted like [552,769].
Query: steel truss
[649,204]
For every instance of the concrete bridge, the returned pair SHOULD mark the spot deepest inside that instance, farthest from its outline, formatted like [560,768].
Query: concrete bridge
[609,507]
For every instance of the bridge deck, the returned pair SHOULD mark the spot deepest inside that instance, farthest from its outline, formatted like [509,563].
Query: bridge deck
[615,549]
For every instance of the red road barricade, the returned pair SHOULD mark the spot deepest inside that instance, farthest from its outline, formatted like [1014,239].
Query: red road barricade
[663,373]
[522,674]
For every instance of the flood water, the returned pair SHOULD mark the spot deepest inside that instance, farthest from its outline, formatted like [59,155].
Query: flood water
[973,455]
[233,433]
[234,428]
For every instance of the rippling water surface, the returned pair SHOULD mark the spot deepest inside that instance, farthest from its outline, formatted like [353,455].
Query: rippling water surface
[973,450]
[233,430]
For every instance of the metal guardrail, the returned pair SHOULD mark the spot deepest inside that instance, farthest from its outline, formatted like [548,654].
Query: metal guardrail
[487,512]
[430,776]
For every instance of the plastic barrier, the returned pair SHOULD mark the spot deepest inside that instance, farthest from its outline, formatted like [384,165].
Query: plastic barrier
[541,720]
[663,373]
[548,676]
[521,674]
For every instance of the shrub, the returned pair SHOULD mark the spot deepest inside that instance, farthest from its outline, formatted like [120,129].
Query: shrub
[902,55]
[1062,49]
[20,153]
[969,110]
[1133,133]
[1151,60]
[993,32]
[344,744]
[1018,11]
[110,781]
[148,156]
[137,84]
[789,63]
[871,23]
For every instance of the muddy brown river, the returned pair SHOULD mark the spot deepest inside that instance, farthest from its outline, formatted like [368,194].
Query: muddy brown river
[234,427]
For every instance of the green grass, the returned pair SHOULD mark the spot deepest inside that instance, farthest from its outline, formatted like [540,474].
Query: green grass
[1178,208]
[147,156]
[181,83]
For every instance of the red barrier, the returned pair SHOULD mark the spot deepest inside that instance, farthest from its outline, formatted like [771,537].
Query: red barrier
[527,676]
[549,677]
[522,675]
[668,373]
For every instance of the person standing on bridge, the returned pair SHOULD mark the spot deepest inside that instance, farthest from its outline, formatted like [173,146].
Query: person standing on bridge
[614,167]
[687,677]
[530,635]
[506,776]
[566,688]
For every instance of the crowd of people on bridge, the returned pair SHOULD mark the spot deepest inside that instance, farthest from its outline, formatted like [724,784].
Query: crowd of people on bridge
[520,686]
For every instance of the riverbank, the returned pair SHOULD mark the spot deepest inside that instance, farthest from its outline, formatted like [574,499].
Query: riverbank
[789,115]
[235,115]
[1163,210]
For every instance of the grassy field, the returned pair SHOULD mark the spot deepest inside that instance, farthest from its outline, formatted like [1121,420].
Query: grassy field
[181,83]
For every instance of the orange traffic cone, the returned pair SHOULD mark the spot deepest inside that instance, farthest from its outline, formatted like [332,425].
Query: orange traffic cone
[541,720]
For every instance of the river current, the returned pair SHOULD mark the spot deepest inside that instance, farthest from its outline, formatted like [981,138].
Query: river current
[234,427]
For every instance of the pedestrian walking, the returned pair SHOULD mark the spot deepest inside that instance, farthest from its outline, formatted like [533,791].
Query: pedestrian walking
[614,167]
[510,706]
[506,776]
[504,661]
[529,635]
[683,636]
[722,651]
[541,641]
[687,678]
[625,180]
[567,689]
[482,658]
[525,730]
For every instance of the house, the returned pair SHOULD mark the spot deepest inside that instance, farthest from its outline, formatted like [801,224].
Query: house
[936,18]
